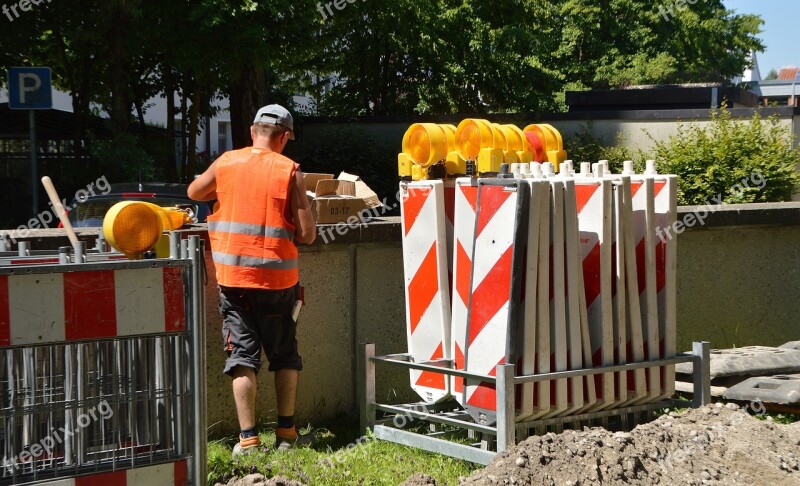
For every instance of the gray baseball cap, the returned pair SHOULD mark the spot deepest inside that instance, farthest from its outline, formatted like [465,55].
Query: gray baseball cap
[278,115]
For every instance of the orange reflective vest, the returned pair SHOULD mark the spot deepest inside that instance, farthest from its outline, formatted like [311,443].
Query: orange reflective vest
[251,237]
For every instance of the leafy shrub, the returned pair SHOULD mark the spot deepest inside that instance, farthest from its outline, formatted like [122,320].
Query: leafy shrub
[713,159]
[584,146]
[732,160]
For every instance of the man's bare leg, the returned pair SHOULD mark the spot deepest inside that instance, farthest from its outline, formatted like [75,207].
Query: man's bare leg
[244,394]
[286,391]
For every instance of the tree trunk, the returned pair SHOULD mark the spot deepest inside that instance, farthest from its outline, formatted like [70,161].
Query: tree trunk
[248,93]
[184,142]
[169,92]
[194,121]
[120,97]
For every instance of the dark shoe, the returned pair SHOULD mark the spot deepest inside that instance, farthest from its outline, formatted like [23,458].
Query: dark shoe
[288,438]
[246,446]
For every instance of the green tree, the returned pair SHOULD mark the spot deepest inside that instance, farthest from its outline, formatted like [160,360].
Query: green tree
[771,75]
[615,43]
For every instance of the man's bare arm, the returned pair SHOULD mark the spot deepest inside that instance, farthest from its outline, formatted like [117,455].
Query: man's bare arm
[204,188]
[301,211]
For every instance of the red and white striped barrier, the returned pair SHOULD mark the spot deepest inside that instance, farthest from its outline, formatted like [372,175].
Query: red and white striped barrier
[582,392]
[559,393]
[495,300]
[594,204]
[90,304]
[426,283]
[465,204]
[631,385]
[171,474]
[666,214]
[536,305]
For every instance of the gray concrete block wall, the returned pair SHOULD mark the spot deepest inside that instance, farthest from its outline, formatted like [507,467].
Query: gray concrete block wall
[739,286]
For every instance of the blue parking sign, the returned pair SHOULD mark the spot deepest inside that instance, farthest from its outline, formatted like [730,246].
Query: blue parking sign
[29,88]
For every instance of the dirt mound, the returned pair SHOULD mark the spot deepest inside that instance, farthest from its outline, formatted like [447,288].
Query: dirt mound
[419,479]
[710,445]
[260,480]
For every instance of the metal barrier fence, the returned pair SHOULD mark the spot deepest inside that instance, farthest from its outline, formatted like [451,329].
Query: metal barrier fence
[100,363]
[506,432]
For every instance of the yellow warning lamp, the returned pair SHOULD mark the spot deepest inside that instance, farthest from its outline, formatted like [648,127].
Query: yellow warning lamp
[500,141]
[552,142]
[475,140]
[424,145]
[518,143]
[132,228]
[536,143]
[171,218]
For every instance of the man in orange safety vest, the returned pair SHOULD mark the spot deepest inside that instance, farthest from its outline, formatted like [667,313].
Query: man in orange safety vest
[263,210]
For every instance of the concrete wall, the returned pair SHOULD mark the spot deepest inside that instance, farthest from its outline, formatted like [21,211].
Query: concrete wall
[634,126]
[738,285]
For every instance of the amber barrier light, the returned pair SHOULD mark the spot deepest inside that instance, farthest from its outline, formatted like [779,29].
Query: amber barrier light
[472,136]
[537,142]
[425,143]
[450,133]
[132,228]
[171,218]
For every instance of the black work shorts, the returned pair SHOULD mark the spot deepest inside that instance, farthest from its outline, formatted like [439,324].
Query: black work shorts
[253,319]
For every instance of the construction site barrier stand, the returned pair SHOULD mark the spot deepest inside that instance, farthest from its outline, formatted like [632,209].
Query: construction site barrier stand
[505,429]
[103,366]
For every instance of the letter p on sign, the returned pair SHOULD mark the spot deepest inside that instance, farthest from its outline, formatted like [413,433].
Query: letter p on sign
[29,88]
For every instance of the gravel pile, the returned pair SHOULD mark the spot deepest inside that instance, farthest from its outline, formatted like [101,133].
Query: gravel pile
[712,445]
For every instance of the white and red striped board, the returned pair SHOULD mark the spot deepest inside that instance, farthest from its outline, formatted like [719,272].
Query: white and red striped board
[594,206]
[465,203]
[542,360]
[631,385]
[495,308]
[169,474]
[582,392]
[90,304]
[619,294]
[643,208]
[535,301]
[427,289]
[666,214]
[559,391]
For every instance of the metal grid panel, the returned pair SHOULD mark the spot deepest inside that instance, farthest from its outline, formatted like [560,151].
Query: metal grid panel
[116,403]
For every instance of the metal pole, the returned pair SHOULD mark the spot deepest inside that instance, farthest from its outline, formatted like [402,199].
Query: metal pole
[701,371]
[366,388]
[80,252]
[174,245]
[63,255]
[506,429]
[198,364]
[23,248]
[34,168]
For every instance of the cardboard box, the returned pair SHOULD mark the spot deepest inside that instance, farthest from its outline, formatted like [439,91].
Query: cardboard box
[336,200]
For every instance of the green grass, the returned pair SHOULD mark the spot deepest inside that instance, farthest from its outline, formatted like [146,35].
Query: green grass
[338,456]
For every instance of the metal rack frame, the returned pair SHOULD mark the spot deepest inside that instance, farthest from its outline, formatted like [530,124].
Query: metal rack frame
[506,429]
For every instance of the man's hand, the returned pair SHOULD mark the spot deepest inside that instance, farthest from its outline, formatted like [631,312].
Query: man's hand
[204,188]
[301,211]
